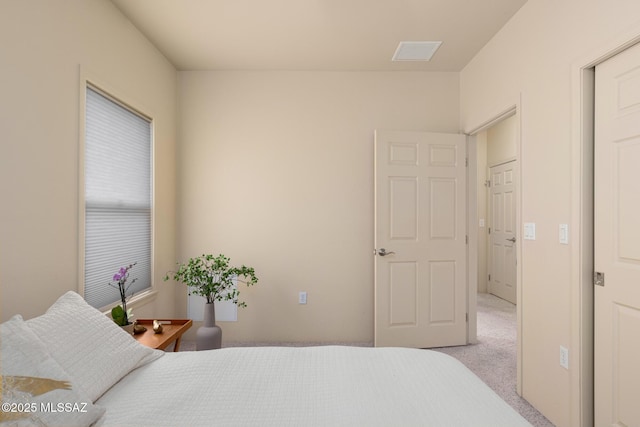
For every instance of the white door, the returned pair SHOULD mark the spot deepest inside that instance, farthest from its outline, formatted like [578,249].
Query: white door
[502,237]
[420,214]
[617,240]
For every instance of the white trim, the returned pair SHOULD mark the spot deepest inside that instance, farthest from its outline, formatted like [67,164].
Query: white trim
[138,300]
[472,245]
[502,162]
[82,102]
[497,118]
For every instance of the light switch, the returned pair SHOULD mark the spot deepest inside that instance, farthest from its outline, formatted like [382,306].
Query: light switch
[481,222]
[529,231]
[563,234]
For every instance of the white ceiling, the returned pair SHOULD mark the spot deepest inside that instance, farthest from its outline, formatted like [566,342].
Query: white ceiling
[316,34]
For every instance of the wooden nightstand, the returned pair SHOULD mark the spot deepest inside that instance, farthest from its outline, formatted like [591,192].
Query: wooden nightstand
[172,330]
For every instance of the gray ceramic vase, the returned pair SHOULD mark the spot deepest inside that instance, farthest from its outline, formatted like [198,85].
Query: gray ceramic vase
[209,335]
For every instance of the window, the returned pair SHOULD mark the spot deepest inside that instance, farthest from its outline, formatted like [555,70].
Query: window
[117,197]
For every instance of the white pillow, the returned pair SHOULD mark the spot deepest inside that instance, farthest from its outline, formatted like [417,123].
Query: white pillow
[95,351]
[35,388]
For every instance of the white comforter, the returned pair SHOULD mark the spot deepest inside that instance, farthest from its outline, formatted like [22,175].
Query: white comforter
[310,386]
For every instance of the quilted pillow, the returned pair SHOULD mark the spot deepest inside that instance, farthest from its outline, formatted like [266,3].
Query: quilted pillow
[35,388]
[95,351]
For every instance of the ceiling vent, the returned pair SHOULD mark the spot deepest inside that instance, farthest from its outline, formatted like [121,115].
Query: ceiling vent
[415,51]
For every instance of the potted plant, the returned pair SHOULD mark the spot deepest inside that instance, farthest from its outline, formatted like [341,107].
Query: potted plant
[120,313]
[213,278]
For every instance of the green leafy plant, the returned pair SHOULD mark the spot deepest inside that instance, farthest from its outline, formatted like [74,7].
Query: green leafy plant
[120,314]
[213,278]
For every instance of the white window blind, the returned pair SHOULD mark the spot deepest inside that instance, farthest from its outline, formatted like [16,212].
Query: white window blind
[117,173]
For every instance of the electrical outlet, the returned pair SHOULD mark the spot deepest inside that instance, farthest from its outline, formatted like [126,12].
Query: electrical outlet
[564,357]
[302,298]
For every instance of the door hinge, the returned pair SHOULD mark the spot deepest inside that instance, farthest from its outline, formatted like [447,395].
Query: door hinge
[489,230]
[598,278]
[467,317]
[466,162]
[489,277]
[466,239]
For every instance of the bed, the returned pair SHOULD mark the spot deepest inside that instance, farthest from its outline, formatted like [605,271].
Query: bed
[122,383]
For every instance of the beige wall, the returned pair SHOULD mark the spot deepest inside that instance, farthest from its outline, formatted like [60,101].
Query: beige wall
[276,171]
[44,44]
[501,142]
[530,62]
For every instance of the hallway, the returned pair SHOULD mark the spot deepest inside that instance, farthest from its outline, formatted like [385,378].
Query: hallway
[493,358]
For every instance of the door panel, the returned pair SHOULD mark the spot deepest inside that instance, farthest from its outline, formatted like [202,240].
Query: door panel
[617,240]
[420,214]
[442,204]
[403,194]
[502,263]
[403,291]
[442,278]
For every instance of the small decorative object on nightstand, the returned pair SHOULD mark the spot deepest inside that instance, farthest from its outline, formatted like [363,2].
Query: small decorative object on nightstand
[138,328]
[157,327]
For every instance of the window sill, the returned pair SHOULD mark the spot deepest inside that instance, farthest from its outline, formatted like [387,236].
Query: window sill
[139,300]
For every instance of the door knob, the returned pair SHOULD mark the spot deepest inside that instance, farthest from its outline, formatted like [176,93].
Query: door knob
[383,252]
[512,240]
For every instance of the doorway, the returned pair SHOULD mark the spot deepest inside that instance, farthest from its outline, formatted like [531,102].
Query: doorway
[496,146]
[497,223]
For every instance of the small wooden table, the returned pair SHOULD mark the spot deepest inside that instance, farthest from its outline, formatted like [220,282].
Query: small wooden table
[172,330]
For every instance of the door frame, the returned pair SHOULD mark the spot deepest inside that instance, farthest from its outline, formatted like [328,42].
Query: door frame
[473,218]
[581,240]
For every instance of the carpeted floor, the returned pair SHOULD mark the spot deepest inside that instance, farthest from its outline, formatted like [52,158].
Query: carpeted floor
[493,358]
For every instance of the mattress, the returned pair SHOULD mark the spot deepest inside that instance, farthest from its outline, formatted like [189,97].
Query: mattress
[305,386]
